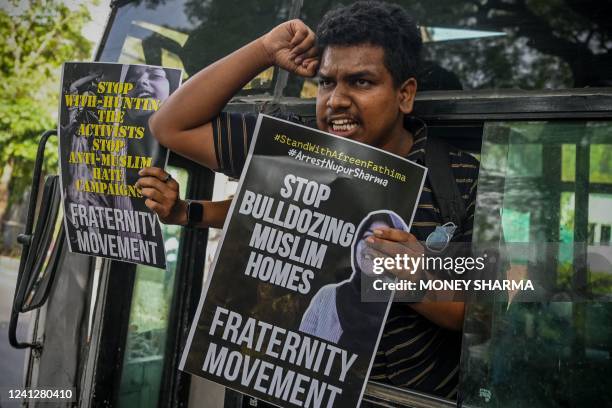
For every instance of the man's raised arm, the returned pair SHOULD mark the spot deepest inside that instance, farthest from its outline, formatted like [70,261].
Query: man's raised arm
[183,123]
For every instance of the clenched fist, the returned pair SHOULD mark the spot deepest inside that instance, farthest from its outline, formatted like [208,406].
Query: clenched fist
[291,46]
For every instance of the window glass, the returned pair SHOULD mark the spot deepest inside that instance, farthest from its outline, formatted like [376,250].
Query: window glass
[146,339]
[191,34]
[502,44]
[555,353]
[568,171]
[600,164]
[600,168]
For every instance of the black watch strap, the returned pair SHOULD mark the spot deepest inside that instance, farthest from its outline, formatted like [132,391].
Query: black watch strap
[195,213]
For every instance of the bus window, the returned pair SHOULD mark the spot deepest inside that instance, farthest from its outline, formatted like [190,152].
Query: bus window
[552,184]
[191,35]
[470,45]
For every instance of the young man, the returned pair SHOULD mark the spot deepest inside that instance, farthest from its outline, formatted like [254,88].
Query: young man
[366,56]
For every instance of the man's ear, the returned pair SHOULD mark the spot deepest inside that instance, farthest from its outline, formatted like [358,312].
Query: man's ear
[407,92]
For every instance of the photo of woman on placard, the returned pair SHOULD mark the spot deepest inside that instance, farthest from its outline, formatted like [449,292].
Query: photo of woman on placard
[149,83]
[336,312]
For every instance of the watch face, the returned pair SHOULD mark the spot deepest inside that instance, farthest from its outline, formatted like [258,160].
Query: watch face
[195,212]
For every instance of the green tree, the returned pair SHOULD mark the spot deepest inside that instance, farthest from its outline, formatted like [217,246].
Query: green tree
[37,37]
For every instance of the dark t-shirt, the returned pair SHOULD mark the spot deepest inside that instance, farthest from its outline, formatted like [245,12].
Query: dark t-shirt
[413,352]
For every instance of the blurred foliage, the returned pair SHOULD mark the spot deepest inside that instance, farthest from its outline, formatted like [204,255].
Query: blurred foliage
[546,43]
[552,44]
[38,36]
[600,164]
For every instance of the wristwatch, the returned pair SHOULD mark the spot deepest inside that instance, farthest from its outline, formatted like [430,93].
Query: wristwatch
[195,213]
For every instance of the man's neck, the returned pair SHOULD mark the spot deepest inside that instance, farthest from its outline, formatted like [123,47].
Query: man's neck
[401,143]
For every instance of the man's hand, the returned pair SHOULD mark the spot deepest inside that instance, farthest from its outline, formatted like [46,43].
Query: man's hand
[291,46]
[390,242]
[162,195]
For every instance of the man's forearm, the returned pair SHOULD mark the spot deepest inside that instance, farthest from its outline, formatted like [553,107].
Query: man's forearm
[214,216]
[205,94]
[448,315]
[184,122]
[215,213]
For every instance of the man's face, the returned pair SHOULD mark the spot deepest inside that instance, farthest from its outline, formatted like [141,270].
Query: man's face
[358,100]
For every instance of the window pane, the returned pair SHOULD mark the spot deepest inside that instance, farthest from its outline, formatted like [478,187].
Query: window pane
[146,339]
[504,44]
[555,353]
[601,163]
[191,35]
[568,171]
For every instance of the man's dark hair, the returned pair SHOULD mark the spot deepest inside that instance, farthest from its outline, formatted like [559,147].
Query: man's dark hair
[386,25]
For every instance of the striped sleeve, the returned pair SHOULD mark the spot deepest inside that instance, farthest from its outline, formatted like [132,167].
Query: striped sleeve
[232,133]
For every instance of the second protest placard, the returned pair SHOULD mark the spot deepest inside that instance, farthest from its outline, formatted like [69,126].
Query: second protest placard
[281,318]
[104,140]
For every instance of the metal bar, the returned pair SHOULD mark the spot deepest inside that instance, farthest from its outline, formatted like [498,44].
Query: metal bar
[115,306]
[581,206]
[25,240]
[551,176]
[283,76]
[175,384]
[481,109]
[107,28]
[581,242]
[380,394]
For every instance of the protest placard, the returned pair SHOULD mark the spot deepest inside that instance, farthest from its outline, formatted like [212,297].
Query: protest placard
[281,317]
[104,140]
